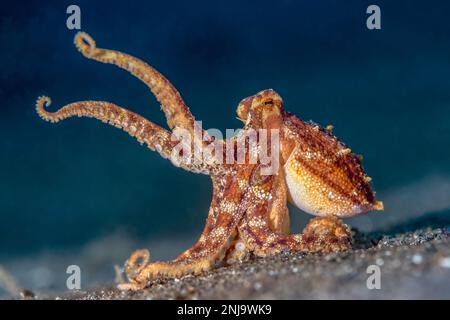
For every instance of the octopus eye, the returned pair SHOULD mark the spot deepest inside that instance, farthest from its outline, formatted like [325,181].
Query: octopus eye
[268,102]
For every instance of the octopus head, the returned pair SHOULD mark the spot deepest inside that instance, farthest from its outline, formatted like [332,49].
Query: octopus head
[262,107]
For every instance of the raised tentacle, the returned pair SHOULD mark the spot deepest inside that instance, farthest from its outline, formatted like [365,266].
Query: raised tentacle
[145,131]
[176,111]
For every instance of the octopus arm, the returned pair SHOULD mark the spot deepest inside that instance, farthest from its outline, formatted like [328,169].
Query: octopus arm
[176,111]
[327,234]
[220,230]
[146,132]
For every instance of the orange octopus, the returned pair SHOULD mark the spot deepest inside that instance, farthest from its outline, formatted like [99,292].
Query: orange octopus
[248,213]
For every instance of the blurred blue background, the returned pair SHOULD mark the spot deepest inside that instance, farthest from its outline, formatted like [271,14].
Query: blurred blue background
[387,92]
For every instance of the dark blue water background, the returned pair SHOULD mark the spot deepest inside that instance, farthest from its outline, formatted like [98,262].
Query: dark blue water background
[387,93]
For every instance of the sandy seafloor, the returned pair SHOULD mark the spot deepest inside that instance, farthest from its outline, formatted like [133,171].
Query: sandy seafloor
[413,265]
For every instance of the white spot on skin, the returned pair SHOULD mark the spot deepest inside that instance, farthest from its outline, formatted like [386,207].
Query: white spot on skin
[309,155]
[356,209]
[242,184]
[228,206]
[240,246]
[256,223]
[218,232]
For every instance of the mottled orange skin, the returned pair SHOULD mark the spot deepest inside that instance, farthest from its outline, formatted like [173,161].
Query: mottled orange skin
[248,213]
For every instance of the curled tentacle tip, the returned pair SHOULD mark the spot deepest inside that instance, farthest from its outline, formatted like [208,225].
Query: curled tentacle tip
[41,103]
[84,43]
[133,266]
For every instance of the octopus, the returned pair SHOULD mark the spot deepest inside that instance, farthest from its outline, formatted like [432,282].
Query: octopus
[248,215]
